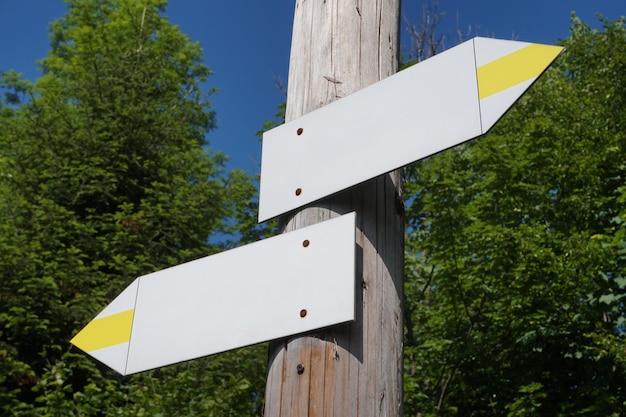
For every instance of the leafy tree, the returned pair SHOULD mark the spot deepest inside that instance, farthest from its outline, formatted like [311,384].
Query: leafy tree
[516,251]
[105,175]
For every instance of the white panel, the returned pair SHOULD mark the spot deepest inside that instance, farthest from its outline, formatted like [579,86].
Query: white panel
[246,295]
[420,111]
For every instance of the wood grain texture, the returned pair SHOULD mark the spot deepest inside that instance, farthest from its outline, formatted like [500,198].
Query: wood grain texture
[354,369]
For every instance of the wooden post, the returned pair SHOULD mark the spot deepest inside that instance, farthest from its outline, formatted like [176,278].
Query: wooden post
[355,369]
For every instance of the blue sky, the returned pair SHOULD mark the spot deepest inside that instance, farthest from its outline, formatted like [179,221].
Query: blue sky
[246,44]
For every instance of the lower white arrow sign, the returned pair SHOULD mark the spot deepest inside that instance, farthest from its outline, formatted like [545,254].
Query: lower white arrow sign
[439,103]
[281,286]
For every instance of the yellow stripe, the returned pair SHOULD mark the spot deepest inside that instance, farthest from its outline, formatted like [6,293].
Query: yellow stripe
[104,332]
[512,69]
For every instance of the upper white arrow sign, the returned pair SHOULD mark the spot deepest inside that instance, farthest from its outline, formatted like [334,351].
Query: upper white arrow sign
[444,101]
[277,287]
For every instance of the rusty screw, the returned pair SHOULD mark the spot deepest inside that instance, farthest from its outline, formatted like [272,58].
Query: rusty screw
[298,191]
[300,369]
[300,131]
[306,243]
[303,313]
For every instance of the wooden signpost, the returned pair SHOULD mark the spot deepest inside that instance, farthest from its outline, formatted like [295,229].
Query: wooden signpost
[338,48]
[328,291]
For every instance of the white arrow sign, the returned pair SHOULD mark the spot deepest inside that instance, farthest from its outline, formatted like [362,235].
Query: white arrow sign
[444,101]
[281,286]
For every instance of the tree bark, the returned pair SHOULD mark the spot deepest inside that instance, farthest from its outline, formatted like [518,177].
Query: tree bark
[354,369]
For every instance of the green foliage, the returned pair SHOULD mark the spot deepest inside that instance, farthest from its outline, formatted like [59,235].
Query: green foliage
[105,175]
[515,269]
[223,385]
[242,226]
[279,119]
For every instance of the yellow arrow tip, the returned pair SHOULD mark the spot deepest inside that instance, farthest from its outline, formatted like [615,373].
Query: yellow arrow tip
[105,331]
[522,65]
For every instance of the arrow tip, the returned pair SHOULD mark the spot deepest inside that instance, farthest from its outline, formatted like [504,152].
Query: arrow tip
[505,70]
[107,336]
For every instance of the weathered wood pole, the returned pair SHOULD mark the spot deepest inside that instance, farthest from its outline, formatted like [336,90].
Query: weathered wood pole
[339,47]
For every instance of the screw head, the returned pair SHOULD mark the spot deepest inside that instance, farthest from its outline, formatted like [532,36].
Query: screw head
[300,131]
[303,313]
[306,243]
[300,369]
[298,191]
